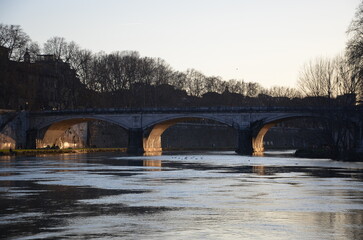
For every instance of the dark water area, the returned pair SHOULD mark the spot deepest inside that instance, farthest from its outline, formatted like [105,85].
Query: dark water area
[210,195]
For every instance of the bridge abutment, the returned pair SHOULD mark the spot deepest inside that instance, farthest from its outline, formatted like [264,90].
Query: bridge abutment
[244,141]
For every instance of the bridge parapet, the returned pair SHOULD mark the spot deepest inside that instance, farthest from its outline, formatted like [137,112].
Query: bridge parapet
[221,109]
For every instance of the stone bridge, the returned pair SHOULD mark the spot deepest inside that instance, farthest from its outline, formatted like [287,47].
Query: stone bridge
[146,126]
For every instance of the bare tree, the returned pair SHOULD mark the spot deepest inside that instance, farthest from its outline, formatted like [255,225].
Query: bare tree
[115,66]
[56,46]
[71,53]
[162,72]
[213,84]
[235,86]
[316,78]
[178,80]
[82,64]
[15,39]
[253,89]
[195,83]
[354,48]
[147,68]
[31,47]
[347,82]
[280,91]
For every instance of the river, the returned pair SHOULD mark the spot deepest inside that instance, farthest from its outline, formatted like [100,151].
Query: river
[210,195]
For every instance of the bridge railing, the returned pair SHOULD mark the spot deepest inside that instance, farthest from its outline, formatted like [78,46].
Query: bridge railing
[198,110]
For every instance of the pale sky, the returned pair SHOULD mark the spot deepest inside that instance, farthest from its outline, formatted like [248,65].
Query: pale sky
[264,41]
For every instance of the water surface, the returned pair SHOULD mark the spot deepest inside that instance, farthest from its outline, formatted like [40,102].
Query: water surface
[179,196]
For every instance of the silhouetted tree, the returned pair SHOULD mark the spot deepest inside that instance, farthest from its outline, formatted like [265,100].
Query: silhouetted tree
[214,84]
[82,63]
[235,86]
[279,91]
[347,82]
[178,80]
[253,89]
[33,49]
[162,72]
[15,39]
[355,48]
[195,83]
[56,46]
[316,78]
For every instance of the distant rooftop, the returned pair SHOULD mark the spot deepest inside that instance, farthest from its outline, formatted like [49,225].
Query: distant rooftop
[46,58]
[2,111]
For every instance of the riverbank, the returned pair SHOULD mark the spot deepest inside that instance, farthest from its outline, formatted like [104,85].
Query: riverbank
[58,151]
[327,153]
[30,152]
[300,153]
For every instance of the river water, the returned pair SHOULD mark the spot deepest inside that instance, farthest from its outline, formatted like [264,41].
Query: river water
[218,195]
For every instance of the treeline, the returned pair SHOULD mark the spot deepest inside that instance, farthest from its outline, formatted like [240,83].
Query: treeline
[126,79]
[339,75]
[121,70]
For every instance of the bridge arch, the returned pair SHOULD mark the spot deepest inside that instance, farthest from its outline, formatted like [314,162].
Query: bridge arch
[262,127]
[146,125]
[185,117]
[152,138]
[49,132]
[7,142]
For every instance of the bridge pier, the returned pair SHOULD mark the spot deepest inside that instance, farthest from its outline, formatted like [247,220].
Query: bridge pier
[359,138]
[244,141]
[31,139]
[136,141]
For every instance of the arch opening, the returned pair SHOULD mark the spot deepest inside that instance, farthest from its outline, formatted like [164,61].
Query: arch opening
[189,133]
[257,141]
[81,133]
[7,142]
[301,133]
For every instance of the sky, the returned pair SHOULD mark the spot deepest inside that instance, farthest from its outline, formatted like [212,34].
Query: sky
[264,41]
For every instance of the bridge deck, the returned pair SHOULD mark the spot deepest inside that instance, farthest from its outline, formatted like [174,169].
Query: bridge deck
[198,110]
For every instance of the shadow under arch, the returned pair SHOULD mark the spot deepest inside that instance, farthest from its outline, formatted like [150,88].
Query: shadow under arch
[261,129]
[152,140]
[52,132]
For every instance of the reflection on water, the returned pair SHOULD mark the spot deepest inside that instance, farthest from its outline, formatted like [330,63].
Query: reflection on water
[258,154]
[152,163]
[159,153]
[260,170]
[200,196]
